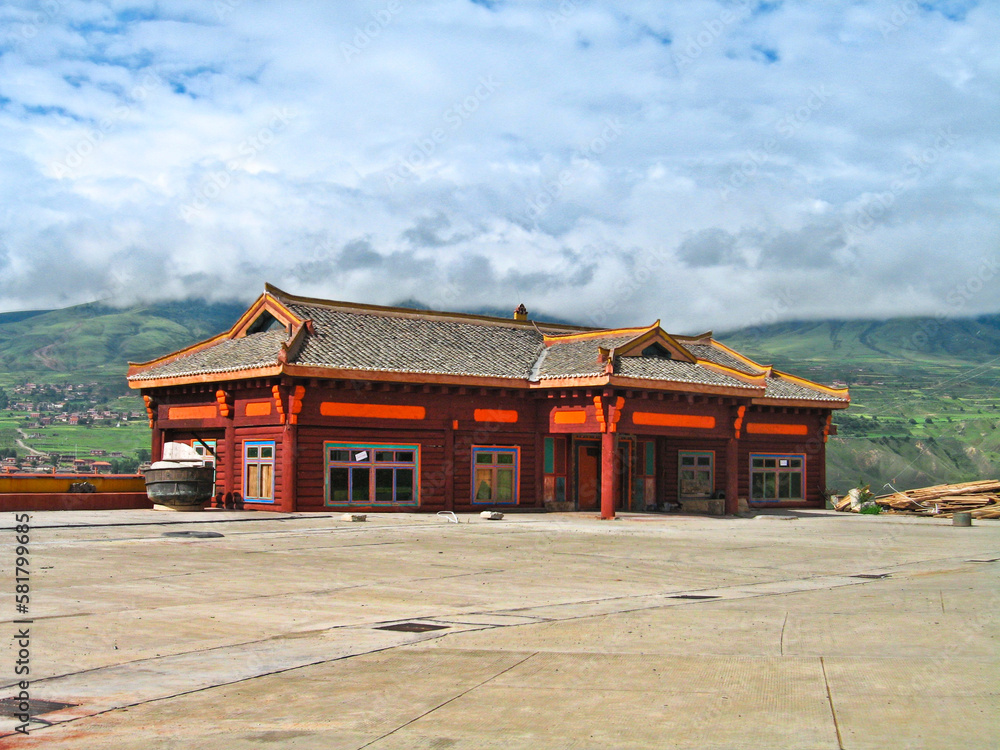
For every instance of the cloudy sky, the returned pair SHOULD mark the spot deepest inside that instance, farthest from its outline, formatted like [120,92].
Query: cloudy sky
[713,163]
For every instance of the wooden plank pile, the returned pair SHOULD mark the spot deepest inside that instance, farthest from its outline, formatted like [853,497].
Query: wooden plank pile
[981,499]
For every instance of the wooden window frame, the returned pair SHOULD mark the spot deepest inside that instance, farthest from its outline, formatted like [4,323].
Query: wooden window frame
[555,468]
[777,471]
[373,463]
[257,464]
[681,454]
[496,467]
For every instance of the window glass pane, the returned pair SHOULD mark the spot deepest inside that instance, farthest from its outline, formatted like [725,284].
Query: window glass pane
[550,463]
[770,490]
[383,485]
[505,458]
[359,484]
[687,460]
[404,485]
[266,452]
[484,458]
[784,485]
[505,485]
[253,451]
[650,458]
[384,456]
[267,481]
[704,460]
[757,486]
[796,463]
[770,463]
[758,463]
[253,481]
[405,456]
[795,486]
[339,485]
[340,455]
[560,489]
[484,484]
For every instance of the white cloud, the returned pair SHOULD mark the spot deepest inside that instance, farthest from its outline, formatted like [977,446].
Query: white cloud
[834,159]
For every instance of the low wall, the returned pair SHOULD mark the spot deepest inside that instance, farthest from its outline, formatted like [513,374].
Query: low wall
[20,492]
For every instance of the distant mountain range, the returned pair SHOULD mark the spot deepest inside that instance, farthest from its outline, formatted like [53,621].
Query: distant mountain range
[924,390]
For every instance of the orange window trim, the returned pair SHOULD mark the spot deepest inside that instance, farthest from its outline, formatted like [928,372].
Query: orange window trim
[673,420]
[371,411]
[763,428]
[192,412]
[258,409]
[495,415]
[575,416]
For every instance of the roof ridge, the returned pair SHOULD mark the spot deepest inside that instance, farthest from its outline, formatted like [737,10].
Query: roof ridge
[387,311]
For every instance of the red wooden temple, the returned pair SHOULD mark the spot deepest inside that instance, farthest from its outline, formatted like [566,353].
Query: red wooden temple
[311,405]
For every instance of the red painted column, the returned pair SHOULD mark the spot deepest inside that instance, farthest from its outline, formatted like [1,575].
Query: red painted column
[607,475]
[289,440]
[733,477]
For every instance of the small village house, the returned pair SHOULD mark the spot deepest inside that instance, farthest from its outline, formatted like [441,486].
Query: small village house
[309,405]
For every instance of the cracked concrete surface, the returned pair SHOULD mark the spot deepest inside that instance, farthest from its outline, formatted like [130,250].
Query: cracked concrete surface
[561,631]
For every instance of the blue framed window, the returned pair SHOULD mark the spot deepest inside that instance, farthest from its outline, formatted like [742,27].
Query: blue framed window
[258,471]
[372,474]
[495,474]
[777,477]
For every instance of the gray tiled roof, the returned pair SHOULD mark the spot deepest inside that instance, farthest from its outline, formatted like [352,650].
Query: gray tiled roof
[365,341]
[781,388]
[577,358]
[721,357]
[347,338]
[661,368]
[229,355]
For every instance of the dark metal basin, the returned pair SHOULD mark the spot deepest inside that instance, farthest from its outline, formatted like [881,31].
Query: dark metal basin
[181,488]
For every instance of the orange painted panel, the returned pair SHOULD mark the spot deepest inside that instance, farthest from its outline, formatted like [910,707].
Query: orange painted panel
[495,415]
[192,412]
[763,428]
[575,416]
[673,420]
[258,409]
[371,411]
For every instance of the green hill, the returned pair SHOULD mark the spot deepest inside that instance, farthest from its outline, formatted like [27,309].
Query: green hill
[924,406]
[94,342]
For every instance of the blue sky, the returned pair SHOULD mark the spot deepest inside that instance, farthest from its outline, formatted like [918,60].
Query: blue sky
[708,163]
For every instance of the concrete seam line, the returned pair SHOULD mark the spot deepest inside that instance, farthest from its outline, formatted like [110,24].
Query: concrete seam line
[450,700]
[829,698]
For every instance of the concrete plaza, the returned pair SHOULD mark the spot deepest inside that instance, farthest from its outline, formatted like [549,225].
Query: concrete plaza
[805,629]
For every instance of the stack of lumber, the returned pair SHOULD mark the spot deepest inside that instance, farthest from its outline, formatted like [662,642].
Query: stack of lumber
[981,499]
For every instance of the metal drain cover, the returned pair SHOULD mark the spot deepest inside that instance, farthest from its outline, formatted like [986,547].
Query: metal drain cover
[194,534]
[12,706]
[694,596]
[413,627]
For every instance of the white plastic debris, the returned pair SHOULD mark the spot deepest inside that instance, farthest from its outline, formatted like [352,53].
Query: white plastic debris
[491,515]
[449,516]
[354,517]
